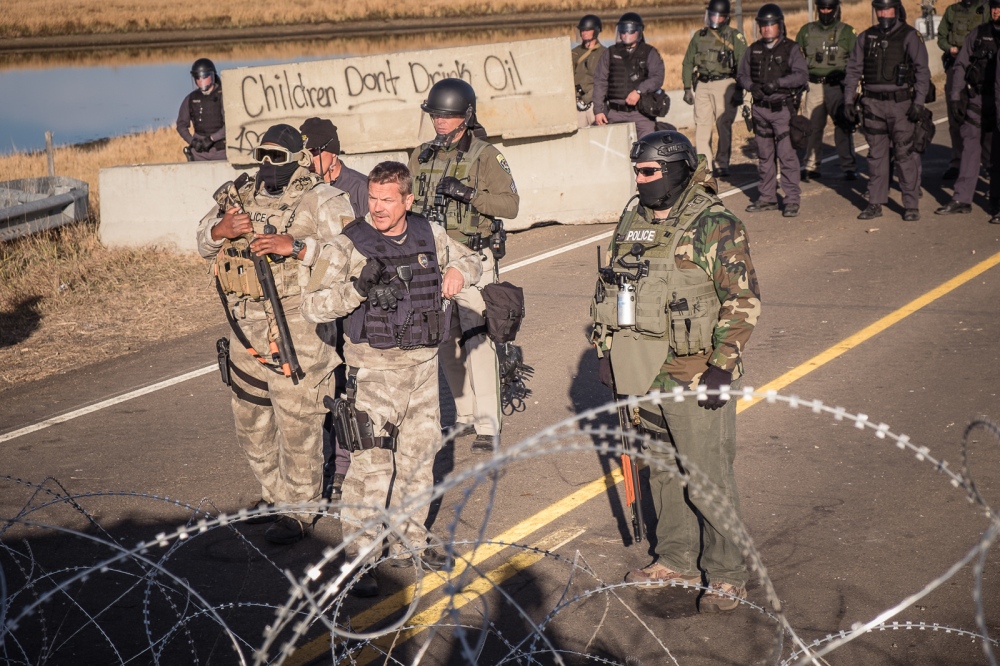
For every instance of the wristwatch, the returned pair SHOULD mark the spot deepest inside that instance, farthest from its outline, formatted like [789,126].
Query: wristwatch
[297,246]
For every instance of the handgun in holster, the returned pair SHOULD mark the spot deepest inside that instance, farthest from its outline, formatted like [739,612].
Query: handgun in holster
[354,428]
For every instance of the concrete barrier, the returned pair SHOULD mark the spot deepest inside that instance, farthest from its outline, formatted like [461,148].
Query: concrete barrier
[577,178]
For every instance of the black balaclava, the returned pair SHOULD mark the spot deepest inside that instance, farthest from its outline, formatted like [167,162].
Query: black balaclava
[275,177]
[661,193]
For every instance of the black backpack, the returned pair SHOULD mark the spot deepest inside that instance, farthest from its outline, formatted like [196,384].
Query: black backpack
[504,311]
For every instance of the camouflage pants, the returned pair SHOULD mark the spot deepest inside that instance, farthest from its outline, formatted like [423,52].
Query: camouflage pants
[379,478]
[283,441]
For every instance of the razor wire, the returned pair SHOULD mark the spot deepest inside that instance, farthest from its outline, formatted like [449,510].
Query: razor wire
[178,615]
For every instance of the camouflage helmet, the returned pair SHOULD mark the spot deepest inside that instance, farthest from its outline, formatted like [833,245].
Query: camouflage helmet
[450,97]
[590,22]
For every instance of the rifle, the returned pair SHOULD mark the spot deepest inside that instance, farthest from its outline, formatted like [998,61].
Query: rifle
[282,349]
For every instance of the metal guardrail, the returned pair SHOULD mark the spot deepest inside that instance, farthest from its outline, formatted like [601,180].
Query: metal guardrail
[31,205]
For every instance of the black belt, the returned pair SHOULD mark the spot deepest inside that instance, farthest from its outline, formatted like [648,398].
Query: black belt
[615,106]
[705,78]
[816,79]
[773,106]
[890,95]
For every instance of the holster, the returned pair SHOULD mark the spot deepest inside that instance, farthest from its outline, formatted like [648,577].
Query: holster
[353,427]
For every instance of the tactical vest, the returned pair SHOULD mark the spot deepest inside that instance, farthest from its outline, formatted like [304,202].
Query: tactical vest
[234,263]
[714,55]
[980,75]
[678,304]
[459,216]
[884,55]
[418,320]
[964,21]
[770,64]
[206,112]
[628,69]
[822,51]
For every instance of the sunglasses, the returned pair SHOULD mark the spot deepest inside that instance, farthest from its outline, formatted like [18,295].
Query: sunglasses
[272,154]
[648,172]
[316,151]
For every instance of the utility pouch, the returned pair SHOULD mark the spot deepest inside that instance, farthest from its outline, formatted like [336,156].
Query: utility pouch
[504,311]
[694,313]
[799,131]
[651,307]
[222,348]
[604,306]
[498,240]
[923,131]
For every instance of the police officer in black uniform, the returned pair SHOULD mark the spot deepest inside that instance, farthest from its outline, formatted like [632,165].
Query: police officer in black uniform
[773,70]
[202,109]
[625,71]
[890,61]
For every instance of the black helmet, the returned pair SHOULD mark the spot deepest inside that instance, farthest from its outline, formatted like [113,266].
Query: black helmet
[630,22]
[770,14]
[886,24]
[720,7]
[451,97]
[590,22]
[833,16]
[678,160]
[203,66]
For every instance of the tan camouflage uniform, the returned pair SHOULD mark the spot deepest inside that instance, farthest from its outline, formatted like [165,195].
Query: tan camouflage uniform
[284,442]
[395,386]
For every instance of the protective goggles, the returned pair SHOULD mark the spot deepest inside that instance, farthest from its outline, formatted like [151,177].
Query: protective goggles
[273,154]
[648,172]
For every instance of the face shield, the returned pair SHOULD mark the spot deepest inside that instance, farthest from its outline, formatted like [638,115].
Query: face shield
[758,30]
[205,80]
[628,33]
[715,20]
[885,18]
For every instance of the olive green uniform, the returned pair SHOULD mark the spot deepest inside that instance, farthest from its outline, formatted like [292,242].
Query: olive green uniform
[956,24]
[468,356]
[584,63]
[826,49]
[282,440]
[697,307]
[709,68]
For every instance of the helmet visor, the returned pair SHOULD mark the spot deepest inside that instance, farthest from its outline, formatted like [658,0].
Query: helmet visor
[715,20]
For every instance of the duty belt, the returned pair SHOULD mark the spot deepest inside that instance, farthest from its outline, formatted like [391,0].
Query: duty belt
[615,106]
[705,78]
[813,78]
[773,106]
[889,95]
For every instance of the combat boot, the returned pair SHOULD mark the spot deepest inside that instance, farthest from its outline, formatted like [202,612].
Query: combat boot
[873,211]
[995,219]
[659,574]
[484,443]
[761,206]
[722,598]
[286,531]
[953,207]
[791,210]
[261,518]
[911,215]
[365,586]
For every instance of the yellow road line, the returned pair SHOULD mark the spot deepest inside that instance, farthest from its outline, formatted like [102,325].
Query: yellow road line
[585,493]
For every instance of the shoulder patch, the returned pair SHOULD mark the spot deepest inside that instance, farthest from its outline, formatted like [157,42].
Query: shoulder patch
[513,187]
[503,163]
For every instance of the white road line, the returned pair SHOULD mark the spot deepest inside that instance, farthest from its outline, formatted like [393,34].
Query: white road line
[83,411]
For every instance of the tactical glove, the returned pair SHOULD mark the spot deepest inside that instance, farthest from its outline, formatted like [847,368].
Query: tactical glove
[688,96]
[453,188]
[850,113]
[604,369]
[961,109]
[386,296]
[769,88]
[737,96]
[713,379]
[201,143]
[757,92]
[915,112]
[369,277]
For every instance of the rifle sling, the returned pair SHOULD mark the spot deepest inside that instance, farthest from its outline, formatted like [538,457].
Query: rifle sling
[238,332]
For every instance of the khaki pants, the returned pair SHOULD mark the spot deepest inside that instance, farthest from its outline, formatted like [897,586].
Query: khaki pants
[380,478]
[585,118]
[471,365]
[822,101]
[714,112]
[283,442]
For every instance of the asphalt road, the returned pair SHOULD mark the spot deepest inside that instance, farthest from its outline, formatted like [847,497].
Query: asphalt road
[847,524]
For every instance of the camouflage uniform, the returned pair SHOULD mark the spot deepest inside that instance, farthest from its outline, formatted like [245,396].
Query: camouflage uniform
[395,386]
[716,244]
[283,441]
[468,356]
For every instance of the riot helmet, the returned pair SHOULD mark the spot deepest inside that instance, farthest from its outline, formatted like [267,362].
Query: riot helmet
[769,14]
[830,17]
[202,68]
[886,23]
[590,22]
[450,97]
[678,160]
[717,14]
[629,24]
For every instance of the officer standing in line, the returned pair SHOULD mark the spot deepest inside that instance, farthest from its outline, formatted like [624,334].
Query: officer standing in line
[464,183]
[585,58]
[974,101]
[890,61]
[698,251]
[626,70]
[709,76]
[388,273]
[286,213]
[827,43]
[994,184]
[773,70]
[323,143]
[202,110]
[958,21]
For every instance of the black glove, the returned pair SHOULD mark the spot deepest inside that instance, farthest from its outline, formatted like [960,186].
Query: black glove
[452,187]
[713,379]
[915,112]
[961,109]
[201,143]
[769,88]
[757,92]
[604,369]
[850,113]
[370,275]
[386,296]
[737,96]
[688,96]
